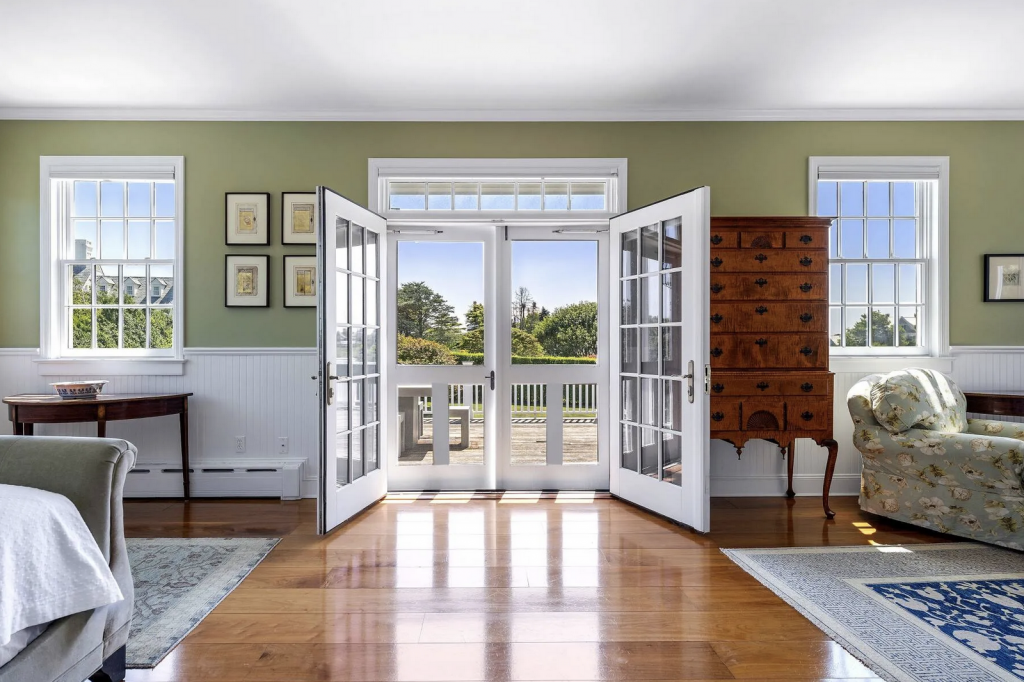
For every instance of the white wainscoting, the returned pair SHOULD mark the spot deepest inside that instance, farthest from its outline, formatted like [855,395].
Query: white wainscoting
[260,393]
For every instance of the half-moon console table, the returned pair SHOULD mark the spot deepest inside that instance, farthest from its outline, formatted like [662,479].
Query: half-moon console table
[25,411]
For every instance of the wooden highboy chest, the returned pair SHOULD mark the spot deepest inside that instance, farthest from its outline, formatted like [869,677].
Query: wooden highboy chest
[769,335]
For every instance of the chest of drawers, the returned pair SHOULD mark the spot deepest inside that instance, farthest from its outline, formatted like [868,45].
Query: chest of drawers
[769,335]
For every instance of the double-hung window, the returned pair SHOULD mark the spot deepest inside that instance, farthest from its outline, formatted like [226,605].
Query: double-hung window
[111,248]
[887,252]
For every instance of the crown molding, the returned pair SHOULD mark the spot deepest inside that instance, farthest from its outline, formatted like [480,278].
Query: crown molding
[461,115]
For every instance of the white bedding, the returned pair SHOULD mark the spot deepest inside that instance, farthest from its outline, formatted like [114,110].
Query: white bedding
[50,565]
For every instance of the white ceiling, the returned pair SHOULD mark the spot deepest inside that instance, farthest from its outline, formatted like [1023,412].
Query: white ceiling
[522,60]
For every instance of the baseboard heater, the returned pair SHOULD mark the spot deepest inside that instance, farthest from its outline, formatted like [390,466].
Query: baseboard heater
[263,478]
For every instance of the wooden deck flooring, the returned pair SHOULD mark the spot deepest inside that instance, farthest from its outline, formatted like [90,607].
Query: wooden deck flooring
[451,588]
[529,443]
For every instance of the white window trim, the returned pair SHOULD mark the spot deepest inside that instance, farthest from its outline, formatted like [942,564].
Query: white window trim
[937,301]
[384,169]
[51,361]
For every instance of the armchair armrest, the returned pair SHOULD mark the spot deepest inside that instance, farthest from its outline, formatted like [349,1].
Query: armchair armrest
[992,427]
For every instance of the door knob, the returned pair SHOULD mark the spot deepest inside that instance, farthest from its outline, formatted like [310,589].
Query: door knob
[491,377]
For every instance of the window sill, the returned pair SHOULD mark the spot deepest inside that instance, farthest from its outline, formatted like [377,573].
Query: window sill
[887,363]
[94,367]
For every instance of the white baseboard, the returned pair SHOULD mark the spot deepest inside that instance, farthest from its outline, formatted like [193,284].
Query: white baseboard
[774,486]
[281,478]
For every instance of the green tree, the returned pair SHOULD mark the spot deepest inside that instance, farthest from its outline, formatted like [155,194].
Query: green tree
[570,331]
[525,344]
[475,316]
[881,331]
[413,351]
[133,325]
[425,314]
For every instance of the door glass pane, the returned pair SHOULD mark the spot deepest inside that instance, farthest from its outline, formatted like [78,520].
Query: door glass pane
[672,297]
[671,351]
[554,301]
[672,235]
[649,258]
[370,312]
[672,405]
[630,447]
[357,248]
[629,301]
[437,307]
[649,402]
[466,424]
[341,245]
[579,424]
[356,454]
[356,350]
[630,400]
[341,450]
[630,357]
[370,351]
[371,447]
[650,299]
[649,350]
[357,299]
[529,424]
[343,405]
[672,458]
[358,404]
[372,261]
[342,351]
[649,445]
[415,426]
[341,297]
[371,400]
[629,253]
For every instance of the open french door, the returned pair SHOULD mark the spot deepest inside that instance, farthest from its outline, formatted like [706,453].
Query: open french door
[661,357]
[351,263]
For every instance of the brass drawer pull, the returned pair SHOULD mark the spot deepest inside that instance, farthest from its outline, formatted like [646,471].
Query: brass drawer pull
[716,352]
[761,310]
[760,258]
[717,288]
[716,318]
[806,286]
[806,261]
[806,350]
[763,385]
[807,388]
[760,281]
[718,388]
[716,239]
[716,262]
[806,239]
[762,342]
[806,317]
[718,416]
[807,416]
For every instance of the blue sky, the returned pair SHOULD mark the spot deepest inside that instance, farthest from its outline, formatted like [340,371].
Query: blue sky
[556,273]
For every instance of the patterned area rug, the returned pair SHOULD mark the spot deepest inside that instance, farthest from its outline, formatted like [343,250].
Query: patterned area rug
[178,582]
[938,612]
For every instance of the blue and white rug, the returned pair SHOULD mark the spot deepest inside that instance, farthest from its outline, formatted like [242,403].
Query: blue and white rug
[178,581]
[935,612]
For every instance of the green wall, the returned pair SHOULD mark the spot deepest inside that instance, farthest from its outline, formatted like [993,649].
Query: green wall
[752,169]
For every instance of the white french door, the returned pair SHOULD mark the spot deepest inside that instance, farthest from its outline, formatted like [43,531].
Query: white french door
[660,348]
[351,264]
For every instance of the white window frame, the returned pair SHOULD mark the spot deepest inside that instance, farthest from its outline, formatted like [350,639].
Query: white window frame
[53,357]
[935,242]
[611,169]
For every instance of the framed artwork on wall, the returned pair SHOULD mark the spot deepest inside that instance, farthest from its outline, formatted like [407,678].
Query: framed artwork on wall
[297,215]
[300,281]
[247,279]
[1003,272]
[246,218]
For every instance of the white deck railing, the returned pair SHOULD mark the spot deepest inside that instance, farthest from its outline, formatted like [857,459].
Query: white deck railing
[528,400]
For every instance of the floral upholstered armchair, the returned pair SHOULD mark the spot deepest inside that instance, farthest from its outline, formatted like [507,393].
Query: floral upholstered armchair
[925,463]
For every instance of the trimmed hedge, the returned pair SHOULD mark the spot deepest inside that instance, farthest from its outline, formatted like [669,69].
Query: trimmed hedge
[478,359]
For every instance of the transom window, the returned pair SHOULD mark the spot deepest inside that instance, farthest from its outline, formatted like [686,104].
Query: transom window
[529,194]
[887,252]
[115,245]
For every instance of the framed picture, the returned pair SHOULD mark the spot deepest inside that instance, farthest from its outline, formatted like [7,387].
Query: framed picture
[297,216]
[246,218]
[1003,273]
[300,281]
[247,281]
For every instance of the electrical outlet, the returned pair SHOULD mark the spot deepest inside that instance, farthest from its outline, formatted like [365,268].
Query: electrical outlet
[282,446]
[239,443]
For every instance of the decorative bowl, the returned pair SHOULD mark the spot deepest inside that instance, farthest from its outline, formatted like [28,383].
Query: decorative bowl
[70,390]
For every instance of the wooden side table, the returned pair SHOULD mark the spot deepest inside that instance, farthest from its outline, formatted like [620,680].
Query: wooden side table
[25,411]
[1008,403]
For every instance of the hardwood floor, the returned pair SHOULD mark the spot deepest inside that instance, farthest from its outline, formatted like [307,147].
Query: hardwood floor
[450,588]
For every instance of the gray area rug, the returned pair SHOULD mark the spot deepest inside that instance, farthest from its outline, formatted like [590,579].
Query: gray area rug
[911,613]
[178,582]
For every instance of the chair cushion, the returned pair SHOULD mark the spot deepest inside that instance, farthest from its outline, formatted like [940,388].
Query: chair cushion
[921,398]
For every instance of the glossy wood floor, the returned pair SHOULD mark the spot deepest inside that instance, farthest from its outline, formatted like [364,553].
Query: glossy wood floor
[519,588]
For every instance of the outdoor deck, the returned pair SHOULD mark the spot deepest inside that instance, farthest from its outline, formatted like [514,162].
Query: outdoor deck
[529,443]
